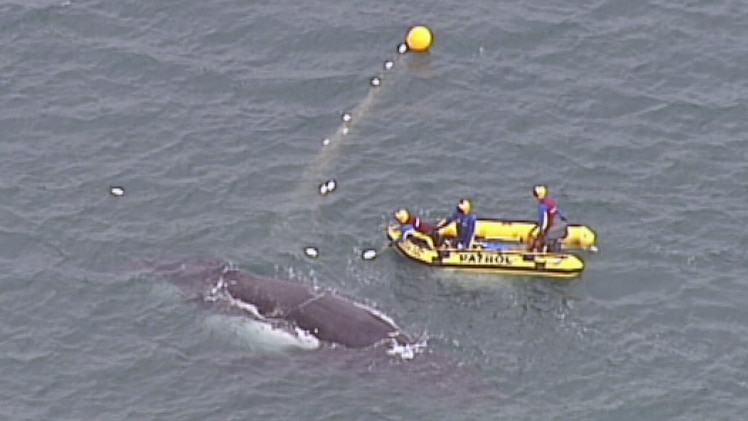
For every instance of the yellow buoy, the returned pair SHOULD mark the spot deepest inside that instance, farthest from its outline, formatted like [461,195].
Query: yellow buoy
[419,38]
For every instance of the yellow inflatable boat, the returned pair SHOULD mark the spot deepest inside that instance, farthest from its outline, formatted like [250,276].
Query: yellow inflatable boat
[502,230]
[498,248]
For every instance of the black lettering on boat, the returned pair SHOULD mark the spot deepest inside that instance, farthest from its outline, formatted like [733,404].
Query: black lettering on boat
[485,258]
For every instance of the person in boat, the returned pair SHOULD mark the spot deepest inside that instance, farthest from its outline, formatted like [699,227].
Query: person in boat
[410,223]
[404,217]
[552,225]
[465,221]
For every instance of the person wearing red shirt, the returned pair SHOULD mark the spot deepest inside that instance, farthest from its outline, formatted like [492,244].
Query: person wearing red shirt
[551,222]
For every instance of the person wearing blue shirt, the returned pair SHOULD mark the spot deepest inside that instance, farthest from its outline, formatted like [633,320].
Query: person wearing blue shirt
[551,222]
[465,222]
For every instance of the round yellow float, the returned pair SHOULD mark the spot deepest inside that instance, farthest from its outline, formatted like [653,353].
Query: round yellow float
[419,38]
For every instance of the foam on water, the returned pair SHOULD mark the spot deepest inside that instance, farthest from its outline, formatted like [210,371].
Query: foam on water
[407,351]
[260,335]
[256,330]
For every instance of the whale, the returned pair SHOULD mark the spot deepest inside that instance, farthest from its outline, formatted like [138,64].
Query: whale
[324,314]
[343,323]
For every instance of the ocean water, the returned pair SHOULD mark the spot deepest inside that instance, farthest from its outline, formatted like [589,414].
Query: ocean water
[211,115]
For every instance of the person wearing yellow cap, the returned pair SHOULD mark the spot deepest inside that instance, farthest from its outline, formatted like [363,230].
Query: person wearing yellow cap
[404,217]
[410,223]
[552,225]
[465,221]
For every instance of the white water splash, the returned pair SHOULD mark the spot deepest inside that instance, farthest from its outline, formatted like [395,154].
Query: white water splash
[260,335]
[407,351]
[256,331]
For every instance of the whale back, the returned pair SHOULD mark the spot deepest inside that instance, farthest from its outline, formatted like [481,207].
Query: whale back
[329,317]
[334,319]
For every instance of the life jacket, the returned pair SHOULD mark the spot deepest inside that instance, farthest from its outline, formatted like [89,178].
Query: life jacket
[419,225]
[548,206]
[466,228]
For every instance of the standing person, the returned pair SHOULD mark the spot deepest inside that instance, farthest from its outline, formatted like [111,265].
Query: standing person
[465,221]
[551,222]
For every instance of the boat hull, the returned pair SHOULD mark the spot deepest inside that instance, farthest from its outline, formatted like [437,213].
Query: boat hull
[578,236]
[494,257]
